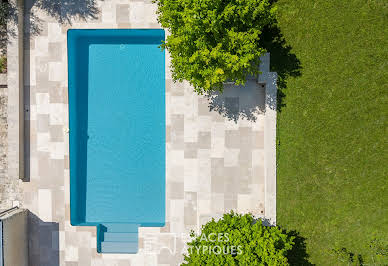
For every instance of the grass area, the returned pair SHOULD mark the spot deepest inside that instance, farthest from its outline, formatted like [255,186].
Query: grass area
[332,126]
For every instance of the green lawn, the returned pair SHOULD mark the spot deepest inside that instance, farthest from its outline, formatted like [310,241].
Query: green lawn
[332,126]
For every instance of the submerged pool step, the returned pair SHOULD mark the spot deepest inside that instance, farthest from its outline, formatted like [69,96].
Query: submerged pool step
[120,237]
[121,228]
[119,247]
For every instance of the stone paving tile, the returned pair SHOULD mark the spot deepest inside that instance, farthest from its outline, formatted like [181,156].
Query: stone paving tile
[191,150]
[214,158]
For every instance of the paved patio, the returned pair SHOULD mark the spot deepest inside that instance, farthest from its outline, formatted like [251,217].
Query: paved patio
[220,148]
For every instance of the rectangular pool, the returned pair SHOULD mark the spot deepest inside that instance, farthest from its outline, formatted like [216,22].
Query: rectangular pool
[117,133]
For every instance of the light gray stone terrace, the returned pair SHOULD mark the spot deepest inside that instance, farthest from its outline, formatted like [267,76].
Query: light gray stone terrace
[216,146]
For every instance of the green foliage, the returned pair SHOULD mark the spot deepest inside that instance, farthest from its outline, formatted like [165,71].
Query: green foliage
[5,17]
[3,64]
[343,255]
[379,249]
[238,240]
[213,41]
[4,11]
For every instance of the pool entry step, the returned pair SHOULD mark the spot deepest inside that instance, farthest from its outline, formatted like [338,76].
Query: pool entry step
[117,238]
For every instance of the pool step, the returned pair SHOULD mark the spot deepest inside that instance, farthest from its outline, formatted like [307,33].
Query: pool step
[119,247]
[119,238]
[121,228]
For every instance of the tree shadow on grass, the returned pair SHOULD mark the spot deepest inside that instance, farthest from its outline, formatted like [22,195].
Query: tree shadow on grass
[298,255]
[283,61]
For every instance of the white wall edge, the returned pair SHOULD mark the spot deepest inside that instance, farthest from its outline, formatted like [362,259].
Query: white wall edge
[270,81]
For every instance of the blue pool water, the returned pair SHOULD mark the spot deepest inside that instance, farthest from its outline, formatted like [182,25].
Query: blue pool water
[117,133]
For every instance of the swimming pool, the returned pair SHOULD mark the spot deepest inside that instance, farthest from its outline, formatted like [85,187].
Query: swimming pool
[117,133]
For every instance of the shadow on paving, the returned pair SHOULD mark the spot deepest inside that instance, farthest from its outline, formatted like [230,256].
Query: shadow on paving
[238,102]
[43,241]
[8,14]
[241,102]
[64,12]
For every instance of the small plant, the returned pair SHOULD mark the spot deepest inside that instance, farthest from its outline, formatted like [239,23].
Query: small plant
[343,255]
[3,64]
[238,240]
[213,41]
[379,250]
[377,247]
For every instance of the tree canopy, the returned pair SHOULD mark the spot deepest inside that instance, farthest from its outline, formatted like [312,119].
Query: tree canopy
[213,41]
[237,239]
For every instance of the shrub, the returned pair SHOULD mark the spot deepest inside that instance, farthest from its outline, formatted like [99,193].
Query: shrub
[4,12]
[238,240]
[3,64]
[213,41]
